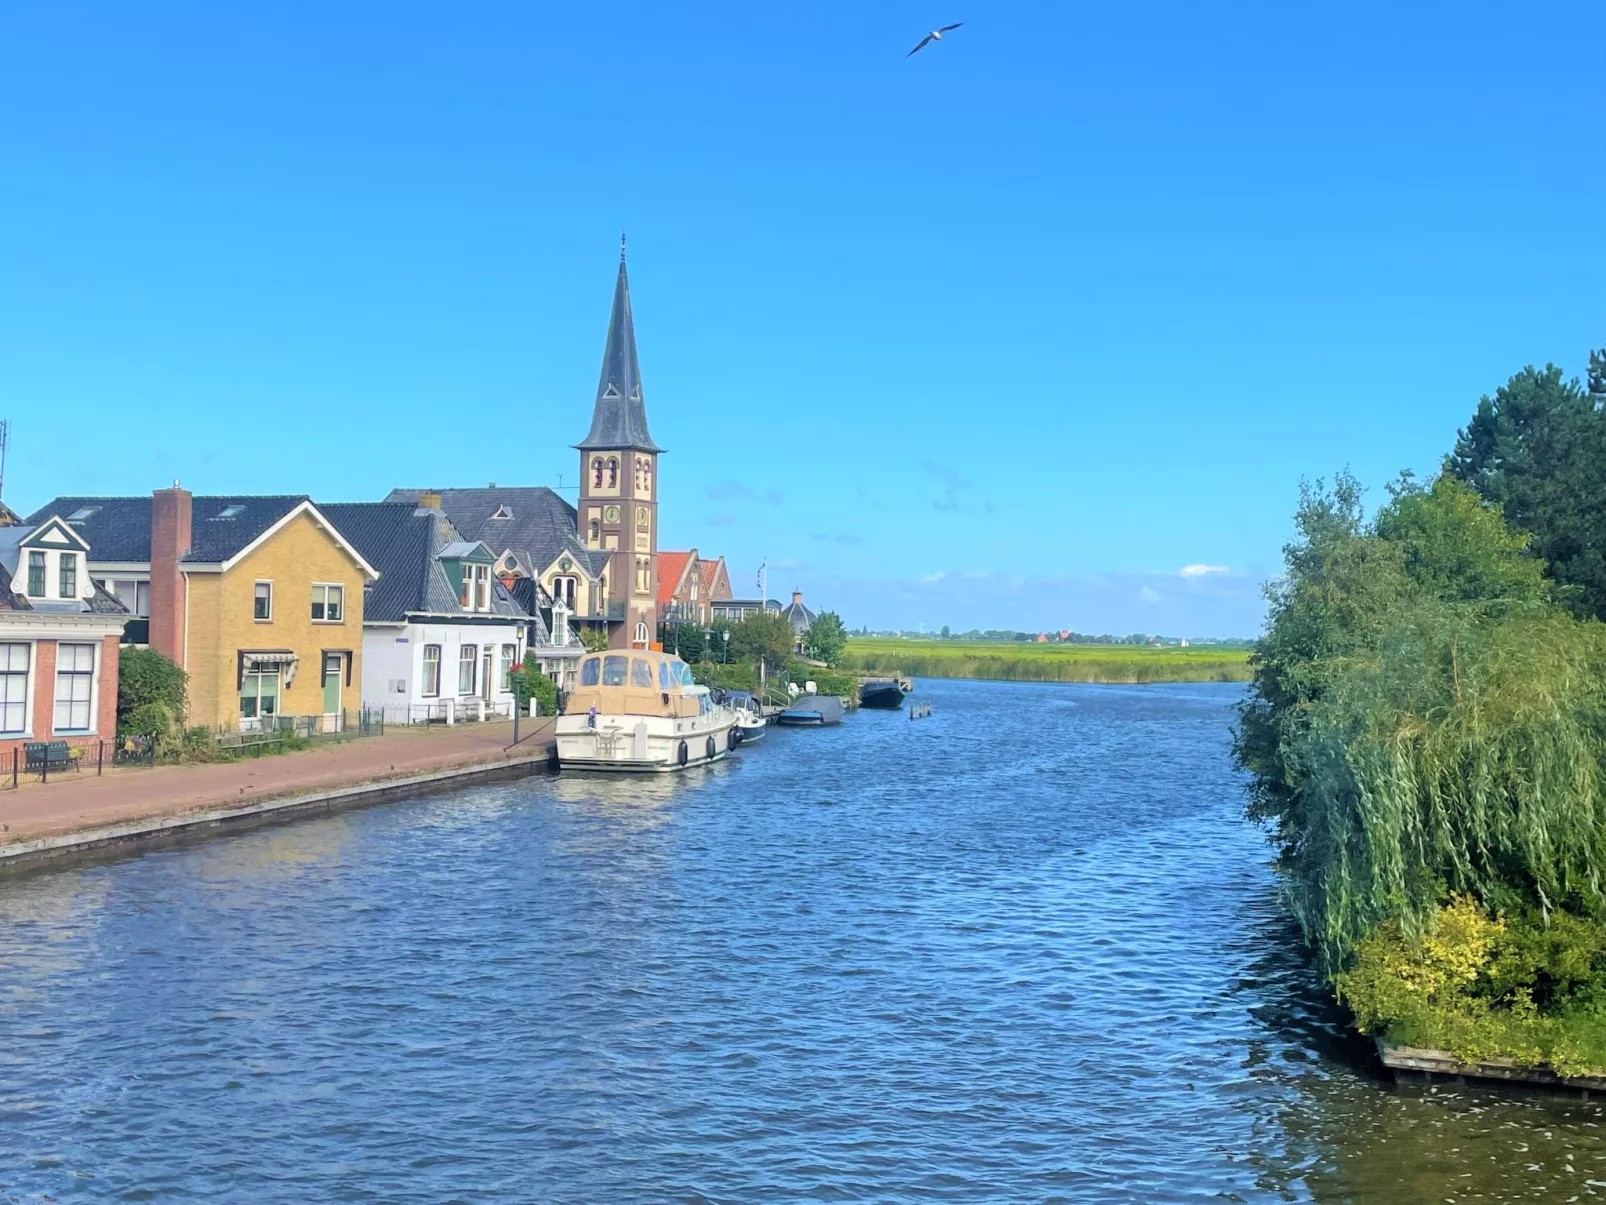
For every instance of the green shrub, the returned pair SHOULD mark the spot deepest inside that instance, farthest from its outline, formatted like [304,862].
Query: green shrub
[147,678]
[529,682]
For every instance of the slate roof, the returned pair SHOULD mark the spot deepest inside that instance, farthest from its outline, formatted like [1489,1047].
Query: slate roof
[8,600]
[119,529]
[539,528]
[619,419]
[405,544]
[799,616]
[529,597]
[8,517]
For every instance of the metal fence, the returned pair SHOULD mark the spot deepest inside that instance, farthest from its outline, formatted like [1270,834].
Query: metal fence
[447,711]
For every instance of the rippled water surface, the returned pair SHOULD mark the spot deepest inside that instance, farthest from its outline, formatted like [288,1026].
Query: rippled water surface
[1023,950]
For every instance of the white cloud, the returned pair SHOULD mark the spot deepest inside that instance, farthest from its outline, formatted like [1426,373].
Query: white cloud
[931,579]
[1148,594]
[1201,570]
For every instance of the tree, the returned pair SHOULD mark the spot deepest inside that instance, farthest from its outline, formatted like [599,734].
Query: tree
[945,635]
[1537,449]
[1421,713]
[763,636]
[530,682]
[687,641]
[826,638]
[594,639]
[152,693]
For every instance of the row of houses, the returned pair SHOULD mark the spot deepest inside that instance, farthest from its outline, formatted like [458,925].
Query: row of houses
[419,605]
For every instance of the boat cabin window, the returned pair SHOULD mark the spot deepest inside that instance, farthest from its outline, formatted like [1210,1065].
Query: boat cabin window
[663,675]
[641,672]
[590,671]
[613,670]
[685,675]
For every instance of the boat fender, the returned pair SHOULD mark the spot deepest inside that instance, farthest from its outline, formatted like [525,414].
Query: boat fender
[713,748]
[683,753]
[735,737]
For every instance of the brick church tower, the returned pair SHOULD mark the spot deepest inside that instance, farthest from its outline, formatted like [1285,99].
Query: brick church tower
[618,511]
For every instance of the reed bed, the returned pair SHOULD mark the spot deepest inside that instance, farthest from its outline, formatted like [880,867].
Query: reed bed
[1109,663]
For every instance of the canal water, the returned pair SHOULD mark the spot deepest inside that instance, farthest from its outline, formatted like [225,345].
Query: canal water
[1024,950]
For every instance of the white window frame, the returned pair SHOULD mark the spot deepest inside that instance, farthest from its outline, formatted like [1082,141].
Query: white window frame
[482,587]
[509,660]
[643,635]
[37,560]
[255,586]
[248,723]
[81,678]
[320,597]
[66,562]
[10,678]
[468,657]
[427,692]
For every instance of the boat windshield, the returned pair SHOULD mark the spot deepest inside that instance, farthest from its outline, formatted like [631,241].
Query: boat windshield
[663,676]
[685,675]
[641,673]
[613,670]
[590,671]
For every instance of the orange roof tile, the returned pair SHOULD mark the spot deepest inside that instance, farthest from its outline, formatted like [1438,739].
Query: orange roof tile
[671,568]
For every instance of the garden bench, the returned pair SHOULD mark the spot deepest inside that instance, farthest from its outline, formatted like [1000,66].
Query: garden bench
[255,741]
[40,757]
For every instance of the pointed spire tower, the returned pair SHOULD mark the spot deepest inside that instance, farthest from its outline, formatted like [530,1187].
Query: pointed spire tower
[618,511]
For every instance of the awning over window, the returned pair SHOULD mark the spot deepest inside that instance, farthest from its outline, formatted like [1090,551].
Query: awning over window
[267,662]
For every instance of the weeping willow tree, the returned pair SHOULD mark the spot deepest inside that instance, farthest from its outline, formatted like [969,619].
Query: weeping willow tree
[1424,720]
[1467,758]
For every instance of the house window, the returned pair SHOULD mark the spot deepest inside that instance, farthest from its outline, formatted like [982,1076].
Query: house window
[75,680]
[328,603]
[69,575]
[36,575]
[432,671]
[596,532]
[509,652]
[641,633]
[262,605]
[465,669]
[13,687]
[613,472]
[596,472]
[465,588]
[482,587]
[259,692]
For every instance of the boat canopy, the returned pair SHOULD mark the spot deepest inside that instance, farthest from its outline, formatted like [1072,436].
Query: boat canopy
[635,682]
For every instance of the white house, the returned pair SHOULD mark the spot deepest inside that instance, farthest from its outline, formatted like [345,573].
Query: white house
[441,634]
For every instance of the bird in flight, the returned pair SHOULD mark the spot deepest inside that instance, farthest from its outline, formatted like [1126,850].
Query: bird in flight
[934,36]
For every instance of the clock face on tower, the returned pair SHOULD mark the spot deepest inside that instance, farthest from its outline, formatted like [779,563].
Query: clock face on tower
[611,514]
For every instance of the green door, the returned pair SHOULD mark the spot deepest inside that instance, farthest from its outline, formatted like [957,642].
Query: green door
[333,664]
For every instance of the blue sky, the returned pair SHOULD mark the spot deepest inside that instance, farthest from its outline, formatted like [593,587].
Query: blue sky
[1006,334]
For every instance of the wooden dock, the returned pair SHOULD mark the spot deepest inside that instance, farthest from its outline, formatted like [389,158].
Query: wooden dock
[1413,1063]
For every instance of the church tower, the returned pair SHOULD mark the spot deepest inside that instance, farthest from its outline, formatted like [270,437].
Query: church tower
[618,511]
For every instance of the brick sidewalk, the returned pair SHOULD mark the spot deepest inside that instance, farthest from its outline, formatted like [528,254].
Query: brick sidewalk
[126,794]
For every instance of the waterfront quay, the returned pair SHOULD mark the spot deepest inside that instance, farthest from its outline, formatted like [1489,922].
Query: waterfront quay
[74,815]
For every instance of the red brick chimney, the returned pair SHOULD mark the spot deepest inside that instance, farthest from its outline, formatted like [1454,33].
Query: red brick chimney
[797,598]
[170,540]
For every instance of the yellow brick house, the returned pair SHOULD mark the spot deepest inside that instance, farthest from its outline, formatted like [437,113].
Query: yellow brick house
[259,598]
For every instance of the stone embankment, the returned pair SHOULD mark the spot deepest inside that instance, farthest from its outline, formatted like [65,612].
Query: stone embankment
[83,814]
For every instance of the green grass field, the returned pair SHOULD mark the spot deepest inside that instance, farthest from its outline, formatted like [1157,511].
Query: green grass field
[1044,662]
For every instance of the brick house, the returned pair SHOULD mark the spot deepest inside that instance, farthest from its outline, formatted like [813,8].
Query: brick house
[257,597]
[59,640]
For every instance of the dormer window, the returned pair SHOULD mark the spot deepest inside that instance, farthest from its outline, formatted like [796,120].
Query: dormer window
[82,513]
[69,575]
[36,575]
[231,511]
[502,512]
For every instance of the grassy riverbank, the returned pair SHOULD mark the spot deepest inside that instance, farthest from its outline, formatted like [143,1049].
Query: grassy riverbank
[1044,662]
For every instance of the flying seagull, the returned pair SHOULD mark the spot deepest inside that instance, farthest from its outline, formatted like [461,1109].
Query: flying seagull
[934,36]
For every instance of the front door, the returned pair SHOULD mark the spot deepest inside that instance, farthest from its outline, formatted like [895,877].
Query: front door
[487,683]
[333,670]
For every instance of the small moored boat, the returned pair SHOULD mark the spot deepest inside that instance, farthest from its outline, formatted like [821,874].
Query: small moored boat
[812,711]
[886,694]
[640,711]
[750,722]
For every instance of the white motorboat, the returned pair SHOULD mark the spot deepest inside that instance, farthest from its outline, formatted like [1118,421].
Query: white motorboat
[639,711]
[750,722]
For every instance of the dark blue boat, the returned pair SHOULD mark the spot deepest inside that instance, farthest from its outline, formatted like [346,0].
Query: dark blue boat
[812,711]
